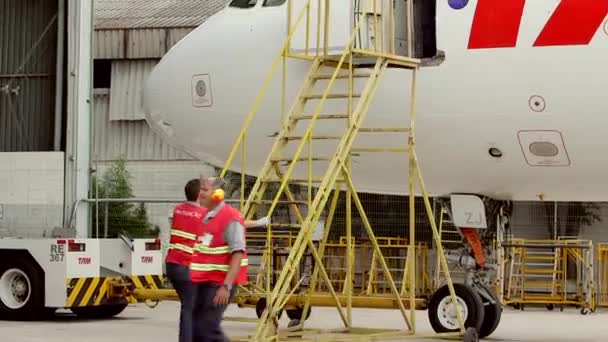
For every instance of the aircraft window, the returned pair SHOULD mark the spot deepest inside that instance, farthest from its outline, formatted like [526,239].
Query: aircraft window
[243,3]
[273,3]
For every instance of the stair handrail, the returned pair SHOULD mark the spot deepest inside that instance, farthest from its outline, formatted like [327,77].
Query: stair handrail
[258,100]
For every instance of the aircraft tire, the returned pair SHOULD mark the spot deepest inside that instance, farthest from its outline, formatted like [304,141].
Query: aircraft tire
[260,306]
[470,335]
[298,313]
[442,314]
[492,314]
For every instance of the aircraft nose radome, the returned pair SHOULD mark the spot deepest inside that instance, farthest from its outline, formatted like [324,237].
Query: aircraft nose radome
[178,89]
[157,99]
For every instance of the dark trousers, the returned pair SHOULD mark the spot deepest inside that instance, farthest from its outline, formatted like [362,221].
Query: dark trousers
[207,317]
[180,279]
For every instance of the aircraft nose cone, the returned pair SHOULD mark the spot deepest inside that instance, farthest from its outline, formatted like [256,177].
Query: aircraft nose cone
[158,96]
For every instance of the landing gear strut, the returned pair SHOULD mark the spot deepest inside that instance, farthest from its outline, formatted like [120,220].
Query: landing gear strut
[479,306]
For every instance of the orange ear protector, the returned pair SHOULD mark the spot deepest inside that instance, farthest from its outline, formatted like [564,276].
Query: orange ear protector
[217,195]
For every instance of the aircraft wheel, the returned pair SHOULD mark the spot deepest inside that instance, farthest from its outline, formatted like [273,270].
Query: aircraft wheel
[298,313]
[585,311]
[293,323]
[99,312]
[492,314]
[550,307]
[21,291]
[442,312]
[260,306]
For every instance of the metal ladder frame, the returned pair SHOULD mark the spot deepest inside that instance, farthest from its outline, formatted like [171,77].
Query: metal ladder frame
[339,165]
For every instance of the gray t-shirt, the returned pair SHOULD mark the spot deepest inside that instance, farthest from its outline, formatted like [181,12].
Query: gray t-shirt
[234,235]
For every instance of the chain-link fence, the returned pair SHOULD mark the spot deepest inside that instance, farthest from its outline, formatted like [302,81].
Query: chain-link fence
[387,214]
[138,197]
[551,220]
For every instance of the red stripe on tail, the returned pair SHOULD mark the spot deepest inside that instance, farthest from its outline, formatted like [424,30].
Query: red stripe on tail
[496,23]
[574,22]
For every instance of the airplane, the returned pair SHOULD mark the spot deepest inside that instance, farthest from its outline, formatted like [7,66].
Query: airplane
[510,99]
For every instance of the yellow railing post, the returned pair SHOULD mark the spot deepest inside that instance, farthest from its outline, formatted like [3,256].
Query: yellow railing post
[261,94]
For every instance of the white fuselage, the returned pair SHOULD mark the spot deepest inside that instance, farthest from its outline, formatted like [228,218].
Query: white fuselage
[516,99]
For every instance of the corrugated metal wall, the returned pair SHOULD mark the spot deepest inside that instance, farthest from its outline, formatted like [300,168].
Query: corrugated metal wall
[128,78]
[110,44]
[131,139]
[138,43]
[28,40]
[146,43]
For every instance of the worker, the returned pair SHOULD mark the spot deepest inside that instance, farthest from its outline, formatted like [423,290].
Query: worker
[185,227]
[219,262]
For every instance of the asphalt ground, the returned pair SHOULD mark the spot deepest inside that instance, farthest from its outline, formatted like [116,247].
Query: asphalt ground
[142,324]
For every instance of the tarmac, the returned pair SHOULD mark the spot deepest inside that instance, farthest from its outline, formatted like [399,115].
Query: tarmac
[141,324]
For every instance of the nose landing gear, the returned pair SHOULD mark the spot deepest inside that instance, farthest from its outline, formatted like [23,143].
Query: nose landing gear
[477,303]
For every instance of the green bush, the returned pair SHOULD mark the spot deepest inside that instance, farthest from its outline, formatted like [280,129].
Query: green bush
[126,217]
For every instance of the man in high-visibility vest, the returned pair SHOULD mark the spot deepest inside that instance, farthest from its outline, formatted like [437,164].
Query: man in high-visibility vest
[185,228]
[219,262]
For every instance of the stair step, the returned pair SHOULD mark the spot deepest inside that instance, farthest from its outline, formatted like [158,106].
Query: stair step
[540,264]
[537,276]
[543,283]
[320,116]
[379,149]
[329,96]
[300,159]
[540,271]
[384,130]
[540,257]
[539,252]
[294,180]
[279,202]
[315,137]
[340,76]
[451,241]
[286,225]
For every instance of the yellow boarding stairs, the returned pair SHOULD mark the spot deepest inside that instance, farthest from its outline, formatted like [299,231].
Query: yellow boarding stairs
[320,114]
[298,130]
[536,276]
[602,274]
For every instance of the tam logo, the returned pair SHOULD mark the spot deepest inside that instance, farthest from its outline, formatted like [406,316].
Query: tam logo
[84,260]
[147,259]
[496,23]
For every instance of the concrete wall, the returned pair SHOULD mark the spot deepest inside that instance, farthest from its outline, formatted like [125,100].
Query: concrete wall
[31,193]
